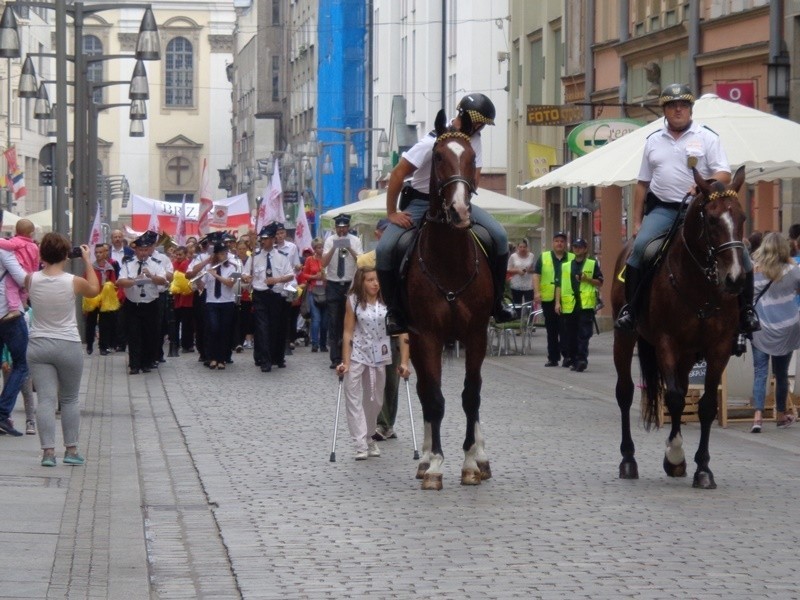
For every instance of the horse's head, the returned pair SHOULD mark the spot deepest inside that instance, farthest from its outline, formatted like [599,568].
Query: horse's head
[714,227]
[452,174]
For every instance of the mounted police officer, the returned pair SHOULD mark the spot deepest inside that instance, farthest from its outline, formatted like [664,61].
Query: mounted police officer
[665,178]
[416,163]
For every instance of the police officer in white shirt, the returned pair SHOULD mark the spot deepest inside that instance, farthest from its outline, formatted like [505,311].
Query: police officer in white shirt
[665,178]
[339,255]
[140,277]
[269,271]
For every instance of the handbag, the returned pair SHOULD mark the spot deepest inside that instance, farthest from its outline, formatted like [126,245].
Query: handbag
[318,294]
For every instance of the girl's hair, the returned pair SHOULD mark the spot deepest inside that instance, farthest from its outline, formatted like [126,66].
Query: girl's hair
[54,248]
[359,290]
[773,255]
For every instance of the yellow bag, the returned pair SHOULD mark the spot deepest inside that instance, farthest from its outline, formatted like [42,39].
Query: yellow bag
[109,301]
[91,304]
[180,286]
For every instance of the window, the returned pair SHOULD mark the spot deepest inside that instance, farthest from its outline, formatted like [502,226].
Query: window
[92,46]
[179,69]
[178,197]
[276,77]
[537,72]
[276,12]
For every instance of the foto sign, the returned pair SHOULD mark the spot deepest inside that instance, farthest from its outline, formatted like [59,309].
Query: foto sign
[549,114]
[592,135]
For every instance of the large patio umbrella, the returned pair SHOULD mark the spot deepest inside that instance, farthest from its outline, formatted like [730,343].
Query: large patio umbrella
[767,145]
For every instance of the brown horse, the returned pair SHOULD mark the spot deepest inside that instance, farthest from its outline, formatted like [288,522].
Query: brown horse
[690,312]
[449,291]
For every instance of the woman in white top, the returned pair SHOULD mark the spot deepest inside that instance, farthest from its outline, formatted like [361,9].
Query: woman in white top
[366,351]
[54,345]
[520,267]
[220,309]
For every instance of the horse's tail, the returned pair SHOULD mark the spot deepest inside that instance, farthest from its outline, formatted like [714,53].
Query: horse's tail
[653,384]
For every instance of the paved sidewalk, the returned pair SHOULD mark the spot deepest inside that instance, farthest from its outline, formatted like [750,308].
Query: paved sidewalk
[202,484]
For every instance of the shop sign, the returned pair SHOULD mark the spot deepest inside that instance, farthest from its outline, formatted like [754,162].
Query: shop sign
[592,135]
[549,114]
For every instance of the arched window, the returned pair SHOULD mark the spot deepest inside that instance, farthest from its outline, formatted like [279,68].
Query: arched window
[179,69]
[92,46]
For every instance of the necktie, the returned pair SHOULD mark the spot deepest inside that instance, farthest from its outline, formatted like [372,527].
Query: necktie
[139,272]
[218,283]
[269,269]
[141,264]
[340,264]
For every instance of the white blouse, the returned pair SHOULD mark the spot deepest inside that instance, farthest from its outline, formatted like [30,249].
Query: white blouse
[371,345]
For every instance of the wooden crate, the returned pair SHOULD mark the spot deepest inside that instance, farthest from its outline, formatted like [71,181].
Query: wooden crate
[692,399]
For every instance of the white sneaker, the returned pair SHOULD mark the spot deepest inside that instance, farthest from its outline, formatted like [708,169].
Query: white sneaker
[248,345]
[362,455]
[373,450]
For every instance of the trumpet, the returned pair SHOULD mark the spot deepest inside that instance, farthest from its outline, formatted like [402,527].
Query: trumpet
[166,241]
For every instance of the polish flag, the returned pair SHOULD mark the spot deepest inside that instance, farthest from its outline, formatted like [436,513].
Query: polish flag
[180,228]
[153,225]
[206,201]
[273,198]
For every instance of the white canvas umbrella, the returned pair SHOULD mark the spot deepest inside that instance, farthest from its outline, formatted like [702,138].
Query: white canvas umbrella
[767,145]
[509,212]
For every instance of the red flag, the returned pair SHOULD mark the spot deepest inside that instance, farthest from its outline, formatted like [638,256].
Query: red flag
[206,202]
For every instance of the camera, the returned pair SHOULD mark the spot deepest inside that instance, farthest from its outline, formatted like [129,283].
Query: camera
[76,252]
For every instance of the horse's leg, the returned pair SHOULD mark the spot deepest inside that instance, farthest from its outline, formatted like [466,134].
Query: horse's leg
[675,400]
[623,356]
[707,411]
[476,463]
[428,364]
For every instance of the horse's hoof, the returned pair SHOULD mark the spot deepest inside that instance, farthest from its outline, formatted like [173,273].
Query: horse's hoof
[471,477]
[422,468]
[704,480]
[432,481]
[628,470]
[678,470]
[486,470]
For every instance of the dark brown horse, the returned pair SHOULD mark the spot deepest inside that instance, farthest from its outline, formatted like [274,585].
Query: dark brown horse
[690,312]
[449,291]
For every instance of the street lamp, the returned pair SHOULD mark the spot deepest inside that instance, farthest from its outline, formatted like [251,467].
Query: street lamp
[9,48]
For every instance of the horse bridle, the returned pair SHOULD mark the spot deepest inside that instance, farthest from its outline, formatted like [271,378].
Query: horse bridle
[454,178]
[711,251]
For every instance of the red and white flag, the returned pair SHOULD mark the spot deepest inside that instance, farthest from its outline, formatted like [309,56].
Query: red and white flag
[261,213]
[16,179]
[154,225]
[302,233]
[180,228]
[206,201]
[95,234]
[273,198]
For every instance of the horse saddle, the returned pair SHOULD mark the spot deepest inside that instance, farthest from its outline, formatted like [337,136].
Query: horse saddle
[401,254]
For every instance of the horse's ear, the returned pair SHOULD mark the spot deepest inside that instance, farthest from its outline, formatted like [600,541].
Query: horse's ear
[440,125]
[702,184]
[738,179]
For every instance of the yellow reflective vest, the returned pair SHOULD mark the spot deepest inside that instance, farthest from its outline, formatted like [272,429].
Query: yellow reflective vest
[586,289]
[547,280]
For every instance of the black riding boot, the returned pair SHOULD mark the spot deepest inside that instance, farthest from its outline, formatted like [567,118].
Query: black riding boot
[748,319]
[626,321]
[500,312]
[390,290]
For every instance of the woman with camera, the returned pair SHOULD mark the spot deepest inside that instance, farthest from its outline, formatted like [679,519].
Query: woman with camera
[55,359]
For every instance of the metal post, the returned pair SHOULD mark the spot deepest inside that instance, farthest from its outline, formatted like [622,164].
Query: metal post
[9,190]
[347,134]
[91,171]
[61,199]
[80,208]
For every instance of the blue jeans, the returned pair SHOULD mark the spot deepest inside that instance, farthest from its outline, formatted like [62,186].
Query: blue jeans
[417,210]
[319,323]
[780,368]
[14,334]
[657,222]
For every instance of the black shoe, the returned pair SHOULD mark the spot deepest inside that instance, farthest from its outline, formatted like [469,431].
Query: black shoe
[134,372]
[103,352]
[500,312]
[334,364]
[626,320]
[266,368]
[567,363]
[394,324]
[7,427]
[573,367]
[146,370]
[390,290]
[323,348]
[581,367]
[551,363]
[89,350]
[315,348]
[282,365]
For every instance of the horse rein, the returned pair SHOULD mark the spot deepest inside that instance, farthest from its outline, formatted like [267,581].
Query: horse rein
[449,294]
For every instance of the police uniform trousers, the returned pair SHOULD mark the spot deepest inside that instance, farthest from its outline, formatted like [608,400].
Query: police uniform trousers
[269,328]
[143,330]
[552,323]
[335,300]
[577,328]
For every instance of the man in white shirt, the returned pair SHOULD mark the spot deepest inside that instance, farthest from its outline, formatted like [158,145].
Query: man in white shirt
[339,255]
[269,271]
[140,277]
[119,250]
[14,334]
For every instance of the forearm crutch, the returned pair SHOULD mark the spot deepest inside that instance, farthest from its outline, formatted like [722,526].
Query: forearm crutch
[336,419]
[411,418]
